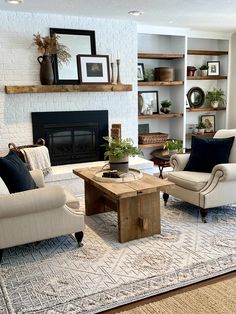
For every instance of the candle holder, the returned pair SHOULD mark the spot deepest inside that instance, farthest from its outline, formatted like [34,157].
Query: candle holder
[118,71]
[112,74]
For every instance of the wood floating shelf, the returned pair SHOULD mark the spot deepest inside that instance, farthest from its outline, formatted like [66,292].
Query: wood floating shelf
[160,56]
[161,83]
[205,109]
[160,116]
[204,135]
[218,77]
[207,52]
[151,145]
[25,89]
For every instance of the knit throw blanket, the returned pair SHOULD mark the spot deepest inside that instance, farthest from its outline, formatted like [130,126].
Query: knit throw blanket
[37,158]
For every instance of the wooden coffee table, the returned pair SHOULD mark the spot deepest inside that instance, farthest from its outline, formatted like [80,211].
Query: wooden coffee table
[137,203]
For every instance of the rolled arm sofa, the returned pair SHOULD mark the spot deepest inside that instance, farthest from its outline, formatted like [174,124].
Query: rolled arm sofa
[38,214]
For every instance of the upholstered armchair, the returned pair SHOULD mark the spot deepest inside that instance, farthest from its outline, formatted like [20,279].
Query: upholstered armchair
[203,189]
[38,214]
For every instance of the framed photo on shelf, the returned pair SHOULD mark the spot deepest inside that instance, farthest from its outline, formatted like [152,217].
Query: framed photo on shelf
[140,72]
[93,69]
[213,68]
[209,121]
[148,102]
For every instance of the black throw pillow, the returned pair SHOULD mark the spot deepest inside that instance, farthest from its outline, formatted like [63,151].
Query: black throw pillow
[15,174]
[208,152]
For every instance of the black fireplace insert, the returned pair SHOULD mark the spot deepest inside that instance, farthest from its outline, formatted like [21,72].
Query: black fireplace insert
[72,136]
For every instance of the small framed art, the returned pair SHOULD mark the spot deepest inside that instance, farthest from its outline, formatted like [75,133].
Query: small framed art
[213,68]
[93,69]
[209,121]
[148,102]
[140,72]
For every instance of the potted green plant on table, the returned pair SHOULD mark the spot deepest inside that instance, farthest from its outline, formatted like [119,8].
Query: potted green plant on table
[215,97]
[201,127]
[173,146]
[204,68]
[166,106]
[118,152]
[49,46]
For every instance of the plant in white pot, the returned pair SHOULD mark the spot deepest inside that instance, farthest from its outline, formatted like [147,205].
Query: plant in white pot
[201,127]
[204,69]
[118,152]
[166,106]
[173,146]
[215,97]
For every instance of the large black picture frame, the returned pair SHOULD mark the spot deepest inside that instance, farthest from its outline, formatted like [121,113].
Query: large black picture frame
[78,42]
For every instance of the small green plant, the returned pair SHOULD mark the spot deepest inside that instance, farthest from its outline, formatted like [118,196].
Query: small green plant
[166,103]
[204,67]
[149,75]
[215,95]
[201,125]
[173,145]
[120,148]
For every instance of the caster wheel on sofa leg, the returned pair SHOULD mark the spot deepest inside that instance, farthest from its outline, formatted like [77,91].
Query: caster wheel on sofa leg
[165,198]
[79,237]
[203,213]
[1,251]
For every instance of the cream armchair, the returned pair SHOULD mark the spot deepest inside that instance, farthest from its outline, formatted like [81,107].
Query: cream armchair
[205,190]
[38,214]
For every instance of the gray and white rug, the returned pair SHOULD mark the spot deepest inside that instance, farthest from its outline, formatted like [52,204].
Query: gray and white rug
[55,276]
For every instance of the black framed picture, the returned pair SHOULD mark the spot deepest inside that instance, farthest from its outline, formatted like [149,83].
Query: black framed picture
[140,72]
[93,69]
[209,121]
[148,102]
[213,68]
[78,42]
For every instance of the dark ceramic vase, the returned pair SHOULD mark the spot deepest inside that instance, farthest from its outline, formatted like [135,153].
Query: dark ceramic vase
[46,70]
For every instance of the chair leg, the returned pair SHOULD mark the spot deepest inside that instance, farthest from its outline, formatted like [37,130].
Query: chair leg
[79,236]
[1,251]
[165,198]
[203,213]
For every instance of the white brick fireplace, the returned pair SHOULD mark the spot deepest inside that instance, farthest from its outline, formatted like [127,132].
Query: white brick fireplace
[19,66]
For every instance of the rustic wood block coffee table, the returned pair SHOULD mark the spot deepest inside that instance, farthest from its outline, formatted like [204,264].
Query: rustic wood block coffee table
[137,203]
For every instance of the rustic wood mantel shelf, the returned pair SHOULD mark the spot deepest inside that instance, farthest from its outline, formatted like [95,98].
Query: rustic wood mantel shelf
[25,89]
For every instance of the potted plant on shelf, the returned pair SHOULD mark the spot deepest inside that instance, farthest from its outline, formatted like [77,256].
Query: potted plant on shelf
[204,69]
[173,146]
[201,127]
[49,46]
[118,152]
[165,106]
[148,75]
[215,97]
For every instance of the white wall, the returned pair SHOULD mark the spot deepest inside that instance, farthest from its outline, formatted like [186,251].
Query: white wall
[232,85]
[19,66]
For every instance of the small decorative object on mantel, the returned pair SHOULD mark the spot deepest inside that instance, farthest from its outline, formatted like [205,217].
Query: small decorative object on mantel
[166,106]
[49,46]
[112,73]
[118,71]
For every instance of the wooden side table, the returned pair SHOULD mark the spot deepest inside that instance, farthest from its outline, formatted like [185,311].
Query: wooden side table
[161,161]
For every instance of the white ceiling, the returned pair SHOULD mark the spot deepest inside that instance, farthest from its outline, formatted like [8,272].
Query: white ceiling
[207,15]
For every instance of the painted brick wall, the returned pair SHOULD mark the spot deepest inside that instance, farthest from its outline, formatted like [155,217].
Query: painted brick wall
[19,66]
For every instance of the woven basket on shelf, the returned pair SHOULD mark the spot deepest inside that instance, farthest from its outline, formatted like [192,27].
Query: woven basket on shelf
[152,138]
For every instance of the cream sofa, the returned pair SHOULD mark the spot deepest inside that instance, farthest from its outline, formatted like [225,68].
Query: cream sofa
[38,214]
[205,190]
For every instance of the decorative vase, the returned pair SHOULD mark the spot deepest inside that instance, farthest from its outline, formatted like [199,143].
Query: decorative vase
[165,110]
[215,104]
[46,70]
[201,131]
[121,165]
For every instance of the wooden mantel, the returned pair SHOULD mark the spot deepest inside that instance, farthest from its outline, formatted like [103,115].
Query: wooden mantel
[24,89]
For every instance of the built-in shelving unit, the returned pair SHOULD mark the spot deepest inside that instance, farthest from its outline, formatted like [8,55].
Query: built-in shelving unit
[151,145]
[204,135]
[161,83]
[25,89]
[207,52]
[161,116]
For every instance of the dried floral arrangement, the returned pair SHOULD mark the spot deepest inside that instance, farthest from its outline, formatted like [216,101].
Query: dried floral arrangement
[49,45]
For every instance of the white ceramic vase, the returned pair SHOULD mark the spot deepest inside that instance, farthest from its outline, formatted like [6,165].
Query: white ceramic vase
[215,104]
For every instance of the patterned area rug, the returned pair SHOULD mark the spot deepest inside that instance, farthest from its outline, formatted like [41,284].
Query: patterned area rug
[55,276]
